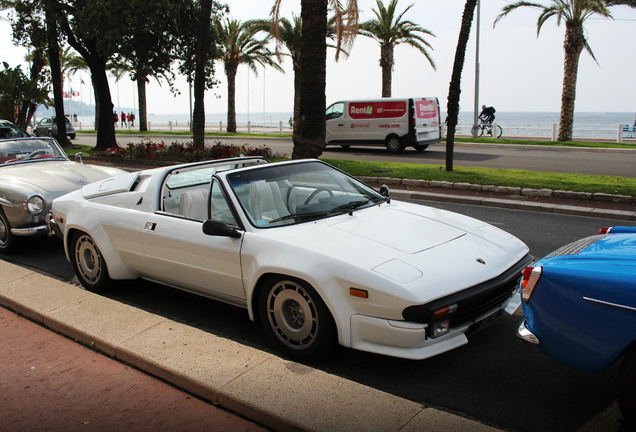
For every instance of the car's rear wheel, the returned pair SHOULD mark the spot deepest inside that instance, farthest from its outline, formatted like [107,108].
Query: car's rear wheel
[88,263]
[296,319]
[627,387]
[394,144]
[7,240]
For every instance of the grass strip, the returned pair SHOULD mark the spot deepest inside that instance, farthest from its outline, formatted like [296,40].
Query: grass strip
[491,176]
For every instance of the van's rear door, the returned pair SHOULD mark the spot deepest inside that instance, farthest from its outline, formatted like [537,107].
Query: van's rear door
[427,120]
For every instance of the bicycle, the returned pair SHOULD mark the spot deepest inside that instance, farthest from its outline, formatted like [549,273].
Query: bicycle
[487,127]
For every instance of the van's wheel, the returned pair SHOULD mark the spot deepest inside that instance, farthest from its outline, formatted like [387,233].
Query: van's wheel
[421,148]
[7,240]
[394,145]
[296,319]
[627,387]
[88,263]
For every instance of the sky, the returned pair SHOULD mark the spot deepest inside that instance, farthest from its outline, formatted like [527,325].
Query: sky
[518,70]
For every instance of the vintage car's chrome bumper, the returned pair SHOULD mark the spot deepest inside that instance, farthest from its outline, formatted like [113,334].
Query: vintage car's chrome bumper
[52,227]
[526,334]
[30,231]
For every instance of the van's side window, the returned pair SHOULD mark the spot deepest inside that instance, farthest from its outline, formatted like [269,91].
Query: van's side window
[335,110]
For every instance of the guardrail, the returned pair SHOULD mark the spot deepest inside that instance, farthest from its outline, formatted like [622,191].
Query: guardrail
[617,134]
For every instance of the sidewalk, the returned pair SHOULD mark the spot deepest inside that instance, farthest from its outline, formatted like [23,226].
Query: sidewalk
[51,383]
[282,395]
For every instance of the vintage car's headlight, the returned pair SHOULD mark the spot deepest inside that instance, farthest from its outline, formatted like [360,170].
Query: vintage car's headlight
[35,204]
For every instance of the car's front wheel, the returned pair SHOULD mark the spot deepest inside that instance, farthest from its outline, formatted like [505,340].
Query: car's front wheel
[7,240]
[627,387]
[88,263]
[296,319]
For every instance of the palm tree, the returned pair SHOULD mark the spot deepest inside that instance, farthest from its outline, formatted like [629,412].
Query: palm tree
[238,46]
[309,131]
[574,13]
[390,30]
[289,35]
[454,89]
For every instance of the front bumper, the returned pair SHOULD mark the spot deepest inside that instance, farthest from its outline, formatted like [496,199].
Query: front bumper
[30,231]
[524,333]
[409,340]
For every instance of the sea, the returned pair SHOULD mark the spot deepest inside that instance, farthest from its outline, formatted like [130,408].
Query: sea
[532,124]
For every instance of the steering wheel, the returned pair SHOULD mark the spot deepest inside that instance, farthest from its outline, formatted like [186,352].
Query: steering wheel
[40,154]
[316,192]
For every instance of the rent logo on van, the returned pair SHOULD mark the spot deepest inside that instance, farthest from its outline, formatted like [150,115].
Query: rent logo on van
[368,110]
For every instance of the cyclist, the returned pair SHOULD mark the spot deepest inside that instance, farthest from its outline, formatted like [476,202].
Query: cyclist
[487,114]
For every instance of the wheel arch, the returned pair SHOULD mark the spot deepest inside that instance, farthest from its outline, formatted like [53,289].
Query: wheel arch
[115,267]
[266,278]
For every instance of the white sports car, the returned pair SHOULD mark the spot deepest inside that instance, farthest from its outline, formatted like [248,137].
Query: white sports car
[314,254]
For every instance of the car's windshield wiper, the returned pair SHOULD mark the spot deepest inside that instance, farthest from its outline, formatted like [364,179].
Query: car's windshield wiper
[312,215]
[350,205]
[301,216]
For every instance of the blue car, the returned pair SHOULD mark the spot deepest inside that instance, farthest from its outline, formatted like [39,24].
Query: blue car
[579,304]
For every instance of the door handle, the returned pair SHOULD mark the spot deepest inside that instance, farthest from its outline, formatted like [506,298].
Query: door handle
[150,226]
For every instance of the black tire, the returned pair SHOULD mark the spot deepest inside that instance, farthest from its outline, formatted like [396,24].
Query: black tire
[394,144]
[627,387]
[296,319]
[499,131]
[88,263]
[72,136]
[7,240]
[421,148]
[481,130]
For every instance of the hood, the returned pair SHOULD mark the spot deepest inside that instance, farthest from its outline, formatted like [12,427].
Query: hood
[55,176]
[405,232]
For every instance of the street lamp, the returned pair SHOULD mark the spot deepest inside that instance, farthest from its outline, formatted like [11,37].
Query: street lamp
[476,108]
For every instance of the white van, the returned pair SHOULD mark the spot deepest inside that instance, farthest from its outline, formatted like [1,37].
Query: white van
[394,123]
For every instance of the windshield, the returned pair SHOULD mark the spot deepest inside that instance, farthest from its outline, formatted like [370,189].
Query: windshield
[287,194]
[29,149]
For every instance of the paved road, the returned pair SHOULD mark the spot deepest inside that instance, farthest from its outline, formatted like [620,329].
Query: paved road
[495,379]
[547,159]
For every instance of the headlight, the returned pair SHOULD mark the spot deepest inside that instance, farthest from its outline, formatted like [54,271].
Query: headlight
[35,204]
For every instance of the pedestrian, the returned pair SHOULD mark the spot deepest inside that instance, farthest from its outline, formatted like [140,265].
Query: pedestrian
[123,119]
[128,118]
[132,119]
[115,118]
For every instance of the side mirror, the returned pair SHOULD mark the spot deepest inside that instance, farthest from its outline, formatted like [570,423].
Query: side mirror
[78,155]
[219,229]
[384,191]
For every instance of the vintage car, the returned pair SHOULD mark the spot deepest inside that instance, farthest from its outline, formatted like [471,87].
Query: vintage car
[579,304]
[10,130]
[314,254]
[48,127]
[33,172]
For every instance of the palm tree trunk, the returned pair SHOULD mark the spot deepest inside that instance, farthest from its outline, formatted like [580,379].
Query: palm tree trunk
[56,75]
[201,58]
[572,46]
[230,73]
[143,105]
[386,63]
[309,133]
[454,90]
[296,96]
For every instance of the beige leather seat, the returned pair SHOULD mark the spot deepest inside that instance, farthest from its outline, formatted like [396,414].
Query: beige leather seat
[265,201]
[194,204]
